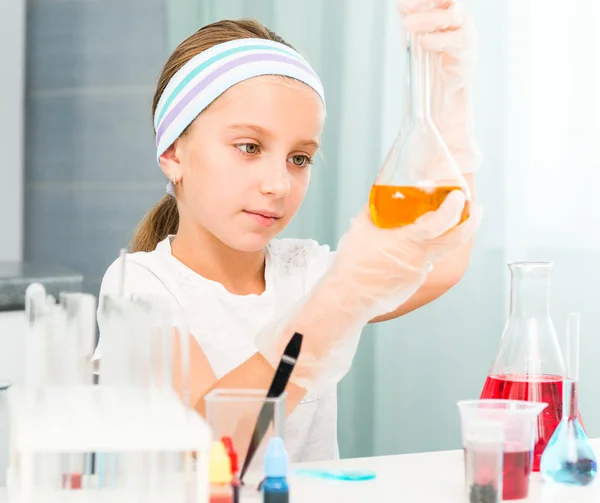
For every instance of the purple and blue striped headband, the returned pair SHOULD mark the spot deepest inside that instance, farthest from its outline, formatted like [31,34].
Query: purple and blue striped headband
[209,74]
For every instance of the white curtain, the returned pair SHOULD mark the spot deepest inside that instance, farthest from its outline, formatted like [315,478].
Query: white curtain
[553,123]
[552,163]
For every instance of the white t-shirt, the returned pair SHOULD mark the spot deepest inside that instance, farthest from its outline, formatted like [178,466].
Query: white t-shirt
[225,325]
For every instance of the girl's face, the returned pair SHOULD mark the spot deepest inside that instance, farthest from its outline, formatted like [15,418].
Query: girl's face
[245,161]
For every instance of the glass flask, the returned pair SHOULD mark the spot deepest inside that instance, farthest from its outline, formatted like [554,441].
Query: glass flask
[569,457]
[419,170]
[529,364]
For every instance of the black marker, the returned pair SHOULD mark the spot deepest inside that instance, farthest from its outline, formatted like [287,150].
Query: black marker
[278,385]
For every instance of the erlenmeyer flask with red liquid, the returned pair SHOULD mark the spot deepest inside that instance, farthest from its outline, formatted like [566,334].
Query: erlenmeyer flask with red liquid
[529,364]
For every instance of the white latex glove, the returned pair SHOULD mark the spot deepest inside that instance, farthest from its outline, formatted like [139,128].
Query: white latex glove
[374,272]
[451,36]
[382,268]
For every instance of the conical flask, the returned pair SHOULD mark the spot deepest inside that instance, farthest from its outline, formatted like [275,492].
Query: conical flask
[419,170]
[569,457]
[529,364]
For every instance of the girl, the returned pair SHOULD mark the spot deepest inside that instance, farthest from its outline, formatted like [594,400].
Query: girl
[238,115]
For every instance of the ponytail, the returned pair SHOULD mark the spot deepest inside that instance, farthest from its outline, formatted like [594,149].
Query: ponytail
[159,222]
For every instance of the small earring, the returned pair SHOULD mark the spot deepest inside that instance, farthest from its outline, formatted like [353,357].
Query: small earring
[175,179]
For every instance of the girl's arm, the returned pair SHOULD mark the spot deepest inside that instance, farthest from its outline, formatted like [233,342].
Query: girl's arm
[444,276]
[254,373]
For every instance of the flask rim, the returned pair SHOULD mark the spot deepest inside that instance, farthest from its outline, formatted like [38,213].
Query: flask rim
[530,264]
[508,407]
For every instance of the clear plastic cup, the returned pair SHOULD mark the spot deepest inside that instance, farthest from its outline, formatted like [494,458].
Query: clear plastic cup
[234,413]
[518,420]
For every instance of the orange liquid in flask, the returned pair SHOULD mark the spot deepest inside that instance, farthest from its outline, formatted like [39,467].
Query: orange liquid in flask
[394,206]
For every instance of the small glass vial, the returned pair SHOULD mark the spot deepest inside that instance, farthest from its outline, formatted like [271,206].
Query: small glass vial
[483,453]
[275,487]
[220,474]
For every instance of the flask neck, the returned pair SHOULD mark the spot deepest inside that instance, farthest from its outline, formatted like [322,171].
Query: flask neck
[530,291]
[419,79]
[570,399]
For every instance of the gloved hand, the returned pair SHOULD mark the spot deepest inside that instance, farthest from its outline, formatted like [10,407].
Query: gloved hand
[451,37]
[380,269]
[374,272]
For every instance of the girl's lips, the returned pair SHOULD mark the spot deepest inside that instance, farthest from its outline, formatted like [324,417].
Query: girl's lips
[263,219]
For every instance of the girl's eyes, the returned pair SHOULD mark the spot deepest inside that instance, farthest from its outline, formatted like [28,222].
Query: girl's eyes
[299,160]
[248,148]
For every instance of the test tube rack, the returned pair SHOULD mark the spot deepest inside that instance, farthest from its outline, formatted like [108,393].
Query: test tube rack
[132,438]
[140,454]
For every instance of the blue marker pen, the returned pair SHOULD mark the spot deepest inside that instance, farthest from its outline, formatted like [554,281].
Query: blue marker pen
[275,486]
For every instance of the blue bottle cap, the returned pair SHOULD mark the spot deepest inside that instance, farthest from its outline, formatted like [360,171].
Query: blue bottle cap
[276,459]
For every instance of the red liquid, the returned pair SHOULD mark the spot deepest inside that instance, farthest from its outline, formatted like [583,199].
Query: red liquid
[515,475]
[516,469]
[72,482]
[546,389]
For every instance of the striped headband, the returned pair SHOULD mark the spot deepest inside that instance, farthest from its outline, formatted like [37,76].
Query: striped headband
[209,74]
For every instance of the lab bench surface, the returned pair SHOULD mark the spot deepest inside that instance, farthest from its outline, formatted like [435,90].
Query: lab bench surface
[415,478]
[423,478]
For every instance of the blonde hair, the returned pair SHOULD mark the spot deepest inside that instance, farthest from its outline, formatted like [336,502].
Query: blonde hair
[163,219]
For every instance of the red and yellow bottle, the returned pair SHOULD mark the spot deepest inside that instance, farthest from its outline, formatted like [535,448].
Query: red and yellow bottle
[220,476]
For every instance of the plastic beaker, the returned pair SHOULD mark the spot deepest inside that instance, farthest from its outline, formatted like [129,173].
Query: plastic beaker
[233,413]
[419,170]
[518,419]
[529,364]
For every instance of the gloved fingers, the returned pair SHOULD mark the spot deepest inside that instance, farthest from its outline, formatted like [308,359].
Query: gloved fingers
[411,6]
[461,234]
[456,43]
[435,223]
[438,20]
[466,229]
[468,155]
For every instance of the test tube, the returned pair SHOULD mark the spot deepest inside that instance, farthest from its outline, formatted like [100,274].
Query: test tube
[114,374]
[183,337]
[154,352]
[55,356]
[81,330]
[122,256]
[483,454]
[80,312]
[116,342]
[35,342]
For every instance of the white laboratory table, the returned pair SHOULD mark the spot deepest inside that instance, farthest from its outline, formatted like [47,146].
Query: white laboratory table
[434,477]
